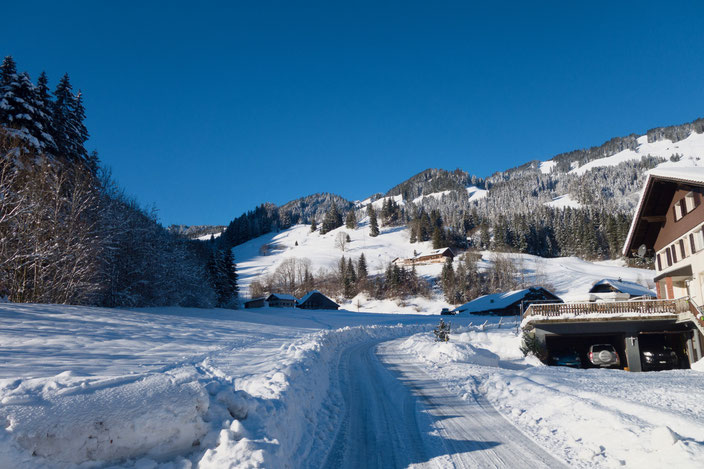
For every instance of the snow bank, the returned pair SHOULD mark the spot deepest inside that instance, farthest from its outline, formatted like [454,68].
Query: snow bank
[588,418]
[292,412]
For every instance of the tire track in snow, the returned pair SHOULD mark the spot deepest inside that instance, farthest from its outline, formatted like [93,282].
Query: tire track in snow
[398,416]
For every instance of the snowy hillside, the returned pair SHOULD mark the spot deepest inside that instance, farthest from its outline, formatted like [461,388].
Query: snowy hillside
[687,152]
[569,277]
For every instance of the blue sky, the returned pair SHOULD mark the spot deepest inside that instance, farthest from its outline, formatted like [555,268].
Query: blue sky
[205,111]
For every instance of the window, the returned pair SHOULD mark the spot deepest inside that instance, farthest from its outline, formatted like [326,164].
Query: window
[689,202]
[684,254]
[699,240]
[678,210]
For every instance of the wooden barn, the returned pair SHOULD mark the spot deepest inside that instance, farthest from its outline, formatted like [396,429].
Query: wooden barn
[255,303]
[316,300]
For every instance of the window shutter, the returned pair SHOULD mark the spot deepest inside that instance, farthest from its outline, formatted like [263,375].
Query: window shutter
[659,263]
[691,243]
[682,251]
[669,256]
[696,199]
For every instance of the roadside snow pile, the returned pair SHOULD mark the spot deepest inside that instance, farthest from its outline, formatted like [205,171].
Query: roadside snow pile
[291,412]
[589,418]
[454,351]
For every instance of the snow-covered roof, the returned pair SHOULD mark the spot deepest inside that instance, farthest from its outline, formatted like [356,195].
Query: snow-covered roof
[282,296]
[434,252]
[685,174]
[307,296]
[496,300]
[624,286]
[693,175]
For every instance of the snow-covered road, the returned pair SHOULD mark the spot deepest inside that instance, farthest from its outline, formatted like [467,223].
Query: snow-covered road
[398,416]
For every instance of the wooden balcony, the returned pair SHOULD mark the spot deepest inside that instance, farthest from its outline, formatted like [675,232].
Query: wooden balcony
[638,308]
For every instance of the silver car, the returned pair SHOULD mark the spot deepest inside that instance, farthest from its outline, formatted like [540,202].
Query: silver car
[604,355]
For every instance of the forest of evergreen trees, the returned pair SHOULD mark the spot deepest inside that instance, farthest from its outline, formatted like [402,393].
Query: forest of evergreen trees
[68,233]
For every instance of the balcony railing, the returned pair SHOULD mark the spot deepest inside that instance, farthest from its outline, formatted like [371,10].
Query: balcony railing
[615,308]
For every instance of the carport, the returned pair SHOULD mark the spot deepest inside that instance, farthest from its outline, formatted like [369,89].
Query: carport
[625,335]
[580,343]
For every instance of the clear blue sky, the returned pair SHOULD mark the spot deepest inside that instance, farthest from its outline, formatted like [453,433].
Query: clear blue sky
[206,109]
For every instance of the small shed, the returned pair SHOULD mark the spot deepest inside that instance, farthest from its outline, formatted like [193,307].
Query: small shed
[610,289]
[316,300]
[281,300]
[255,303]
[508,303]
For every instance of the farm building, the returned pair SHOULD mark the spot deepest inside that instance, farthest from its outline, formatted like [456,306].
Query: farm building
[436,256]
[509,303]
[316,300]
[281,300]
[255,303]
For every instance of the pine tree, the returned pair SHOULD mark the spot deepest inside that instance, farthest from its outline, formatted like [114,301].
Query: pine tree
[47,124]
[351,220]
[68,116]
[373,224]
[362,272]
[313,226]
[332,220]
[438,238]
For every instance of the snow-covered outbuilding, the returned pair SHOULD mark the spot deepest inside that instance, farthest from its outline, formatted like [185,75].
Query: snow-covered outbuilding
[316,300]
[610,289]
[508,303]
[281,300]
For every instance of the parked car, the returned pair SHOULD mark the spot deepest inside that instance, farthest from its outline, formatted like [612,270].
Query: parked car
[604,355]
[446,312]
[566,358]
[658,358]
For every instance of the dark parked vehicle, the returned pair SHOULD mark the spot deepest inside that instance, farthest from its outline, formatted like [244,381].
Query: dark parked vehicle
[446,312]
[658,358]
[566,358]
[604,355]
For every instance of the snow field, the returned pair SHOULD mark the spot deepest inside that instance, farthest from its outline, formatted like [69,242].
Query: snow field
[588,418]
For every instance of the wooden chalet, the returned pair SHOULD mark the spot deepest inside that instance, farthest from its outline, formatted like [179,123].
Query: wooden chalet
[669,225]
[436,256]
